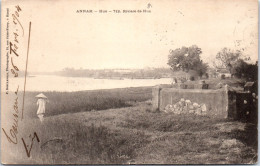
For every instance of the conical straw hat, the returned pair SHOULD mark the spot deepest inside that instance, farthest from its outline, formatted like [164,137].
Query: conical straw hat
[41,95]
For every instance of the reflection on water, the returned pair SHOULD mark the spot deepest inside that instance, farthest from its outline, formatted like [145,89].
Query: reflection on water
[59,83]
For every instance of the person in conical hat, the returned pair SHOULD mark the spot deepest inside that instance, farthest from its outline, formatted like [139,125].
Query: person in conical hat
[41,102]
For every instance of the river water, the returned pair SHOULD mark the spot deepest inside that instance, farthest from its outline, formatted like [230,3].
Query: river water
[69,84]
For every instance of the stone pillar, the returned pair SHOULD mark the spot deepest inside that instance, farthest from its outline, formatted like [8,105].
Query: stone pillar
[156,98]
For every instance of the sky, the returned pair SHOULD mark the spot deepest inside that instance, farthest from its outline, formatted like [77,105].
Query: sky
[61,37]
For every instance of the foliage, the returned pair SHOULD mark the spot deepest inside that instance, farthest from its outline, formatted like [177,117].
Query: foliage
[205,76]
[223,76]
[202,69]
[233,62]
[187,58]
[226,58]
[192,78]
[241,69]
[115,73]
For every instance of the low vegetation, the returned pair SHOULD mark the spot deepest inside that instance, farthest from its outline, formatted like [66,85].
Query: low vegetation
[127,132]
[135,135]
[69,102]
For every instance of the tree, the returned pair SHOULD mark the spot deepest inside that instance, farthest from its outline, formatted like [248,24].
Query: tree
[202,69]
[241,69]
[226,58]
[187,58]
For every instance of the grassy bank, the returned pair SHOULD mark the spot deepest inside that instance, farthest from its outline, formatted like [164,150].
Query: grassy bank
[189,139]
[126,131]
[71,102]
[136,135]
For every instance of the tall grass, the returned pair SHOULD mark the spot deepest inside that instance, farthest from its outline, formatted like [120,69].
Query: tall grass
[170,122]
[128,134]
[134,134]
[73,142]
[71,102]
[191,139]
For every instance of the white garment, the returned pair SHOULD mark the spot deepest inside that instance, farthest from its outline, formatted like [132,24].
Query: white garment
[41,117]
[41,103]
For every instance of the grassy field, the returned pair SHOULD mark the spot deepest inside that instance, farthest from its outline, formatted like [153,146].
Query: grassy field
[125,131]
[82,101]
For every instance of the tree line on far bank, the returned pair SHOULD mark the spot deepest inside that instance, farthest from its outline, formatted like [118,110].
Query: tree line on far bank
[188,58]
[147,73]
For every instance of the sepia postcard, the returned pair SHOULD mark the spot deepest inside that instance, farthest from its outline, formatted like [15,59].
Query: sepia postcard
[129,82]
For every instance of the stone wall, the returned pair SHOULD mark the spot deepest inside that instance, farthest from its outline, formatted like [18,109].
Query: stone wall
[214,103]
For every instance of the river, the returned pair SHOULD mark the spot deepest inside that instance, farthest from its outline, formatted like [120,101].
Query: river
[68,84]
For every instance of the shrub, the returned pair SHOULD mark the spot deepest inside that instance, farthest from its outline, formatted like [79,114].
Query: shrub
[205,76]
[223,76]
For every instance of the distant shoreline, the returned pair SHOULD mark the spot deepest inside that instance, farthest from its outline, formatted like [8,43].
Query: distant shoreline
[146,73]
[112,78]
[93,90]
